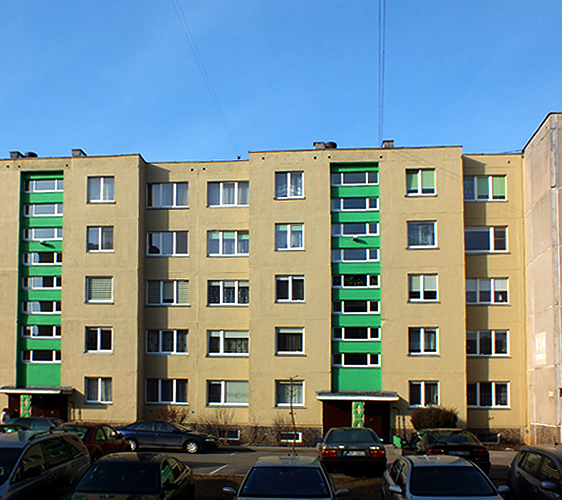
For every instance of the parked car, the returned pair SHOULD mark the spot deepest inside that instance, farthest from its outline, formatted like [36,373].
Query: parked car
[159,434]
[12,428]
[536,472]
[39,423]
[100,439]
[423,477]
[287,477]
[457,442]
[352,450]
[136,475]
[40,464]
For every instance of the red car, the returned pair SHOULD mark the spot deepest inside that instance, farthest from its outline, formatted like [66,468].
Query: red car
[100,439]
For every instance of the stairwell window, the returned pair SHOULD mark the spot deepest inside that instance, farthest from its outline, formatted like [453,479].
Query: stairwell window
[99,289]
[485,188]
[169,390]
[41,356]
[488,395]
[356,333]
[168,293]
[228,194]
[42,258]
[41,331]
[167,195]
[43,234]
[487,291]
[42,307]
[44,186]
[166,341]
[355,255]
[356,360]
[485,239]
[42,282]
[101,189]
[355,178]
[354,204]
[43,210]
[356,281]
[168,244]
[356,307]
[487,343]
[355,229]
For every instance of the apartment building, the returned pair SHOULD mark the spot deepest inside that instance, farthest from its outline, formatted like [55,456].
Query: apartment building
[349,286]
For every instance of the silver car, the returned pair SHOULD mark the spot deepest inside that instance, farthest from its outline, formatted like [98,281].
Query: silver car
[445,477]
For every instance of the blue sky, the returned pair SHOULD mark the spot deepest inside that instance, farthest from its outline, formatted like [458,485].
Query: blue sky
[120,76]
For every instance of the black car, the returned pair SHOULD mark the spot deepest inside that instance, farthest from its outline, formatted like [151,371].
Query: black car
[135,476]
[457,442]
[159,434]
[536,472]
[353,451]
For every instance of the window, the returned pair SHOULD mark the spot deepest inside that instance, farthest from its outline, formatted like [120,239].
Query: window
[422,340]
[98,389]
[487,343]
[166,341]
[289,185]
[356,333]
[47,331]
[354,204]
[101,189]
[356,307]
[99,239]
[422,287]
[420,182]
[44,186]
[289,288]
[40,356]
[485,239]
[424,393]
[42,258]
[487,291]
[227,194]
[43,210]
[43,234]
[354,178]
[488,394]
[228,243]
[356,229]
[228,293]
[421,235]
[228,343]
[356,359]
[168,390]
[289,237]
[99,289]
[227,392]
[167,244]
[290,437]
[99,339]
[355,255]
[167,195]
[168,293]
[42,282]
[289,392]
[289,340]
[42,307]
[356,281]
[487,188]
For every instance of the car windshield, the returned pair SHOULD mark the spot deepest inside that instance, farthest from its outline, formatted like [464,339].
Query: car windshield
[81,430]
[121,478]
[8,458]
[351,436]
[453,437]
[285,482]
[443,481]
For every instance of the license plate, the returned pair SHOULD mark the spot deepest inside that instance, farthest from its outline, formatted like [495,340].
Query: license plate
[354,453]
[460,453]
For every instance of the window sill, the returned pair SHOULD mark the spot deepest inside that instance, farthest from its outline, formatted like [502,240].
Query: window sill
[423,247]
[214,256]
[167,353]
[228,305]
[228,206]
[167,256]
[168,305]
[99,352]
[300,249]
[289,198]
[167,208]
[487,408]
[100,302]
[229,355]
[288,407]
[424,301]
[183,403]
[101,202]
[293,354]
[424,354]
[502,304]
[100,251]
[228,405]
[420,195]
[488,356]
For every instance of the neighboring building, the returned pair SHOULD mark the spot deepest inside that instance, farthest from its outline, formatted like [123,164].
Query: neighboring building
[350,285]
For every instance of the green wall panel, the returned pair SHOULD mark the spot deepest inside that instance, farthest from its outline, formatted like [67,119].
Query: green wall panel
[356,379]
[40,375]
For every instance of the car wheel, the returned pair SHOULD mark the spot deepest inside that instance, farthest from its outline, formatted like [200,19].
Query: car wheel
[133,444]
[191,446]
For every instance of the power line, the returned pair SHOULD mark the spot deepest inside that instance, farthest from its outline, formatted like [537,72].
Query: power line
[382,30]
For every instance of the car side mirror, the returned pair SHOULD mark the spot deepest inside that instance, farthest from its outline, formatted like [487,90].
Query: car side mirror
[394,488]
[504,490]
[548,486]
[341,492]
[318,440]
[228,489]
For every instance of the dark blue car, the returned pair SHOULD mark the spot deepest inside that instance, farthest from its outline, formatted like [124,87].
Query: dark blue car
[159,434]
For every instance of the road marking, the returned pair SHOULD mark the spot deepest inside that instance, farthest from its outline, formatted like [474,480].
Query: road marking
[220,468]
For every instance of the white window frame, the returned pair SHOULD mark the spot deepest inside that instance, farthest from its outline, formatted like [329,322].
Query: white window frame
[423,333]
[223,396]
[286,179]
[154,195]
[298,398]
[238,185]
[370,229]
[222,336]
[31,186]
[422,388]
[478,335]
[55,357]
[31,234]
[413,245]
[344,254]
[56,306]
[419,191]
[424,291]
[371,204]
[238,285]
[284,437]
[106,193]
[291,229]
[340,360]
[102,237]
[339,280]
[33,331]
[156,240]
[175,333]
[221,239]
[494,395]
[101,382]
[32,259]
[99,332]
[288,330]
[373,333]
[90,280]
[489,181]
[482,285]
[32,210]
[175,392]
[491,233]
[339,306]
[38,283]
[290,280]
[338,178]
[175,299]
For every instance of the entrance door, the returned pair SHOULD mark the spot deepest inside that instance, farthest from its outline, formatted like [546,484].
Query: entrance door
[49,405]
[338,414]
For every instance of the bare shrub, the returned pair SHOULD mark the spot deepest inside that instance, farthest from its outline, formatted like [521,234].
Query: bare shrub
[176,414]
[434,417]
[217,423]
